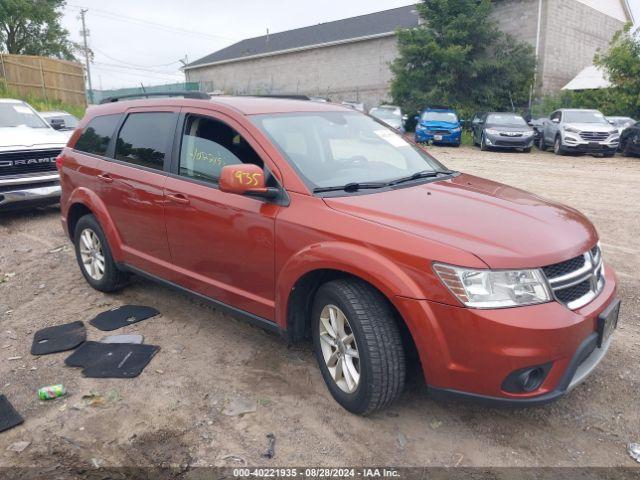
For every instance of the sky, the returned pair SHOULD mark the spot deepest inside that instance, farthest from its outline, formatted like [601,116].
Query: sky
[143,40]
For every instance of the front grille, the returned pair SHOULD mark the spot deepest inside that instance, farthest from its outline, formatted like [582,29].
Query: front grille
[562,268]
[511,135]
[571,294]
[502,143]
[28,161]
[441,132]
[577,281]
[594,136]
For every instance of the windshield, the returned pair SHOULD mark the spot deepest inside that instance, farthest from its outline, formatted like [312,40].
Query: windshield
[386,113]
[337,148]
[19,115]
[584,117]
[506,119]
[449,117]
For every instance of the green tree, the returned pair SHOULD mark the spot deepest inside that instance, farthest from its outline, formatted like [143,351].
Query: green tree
[622,64]
[32,27]
[459,57]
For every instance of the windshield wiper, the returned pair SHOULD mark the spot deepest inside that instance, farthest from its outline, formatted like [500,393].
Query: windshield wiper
[351,187]
[422,174]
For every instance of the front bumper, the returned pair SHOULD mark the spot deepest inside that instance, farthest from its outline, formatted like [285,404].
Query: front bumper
[502,141]
[469,352]
[35,193]
[574,143]
[425,136]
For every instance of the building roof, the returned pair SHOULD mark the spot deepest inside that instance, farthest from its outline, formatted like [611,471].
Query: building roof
[591,78]
[324,34]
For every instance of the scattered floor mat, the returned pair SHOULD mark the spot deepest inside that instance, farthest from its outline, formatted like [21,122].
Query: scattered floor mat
[121,316]
[111,360]
[9,418]
[58,338]
[133,338]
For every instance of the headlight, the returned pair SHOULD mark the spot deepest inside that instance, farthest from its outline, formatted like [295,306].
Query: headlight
[571,130]
[529,133]
[494,288]
[491,131]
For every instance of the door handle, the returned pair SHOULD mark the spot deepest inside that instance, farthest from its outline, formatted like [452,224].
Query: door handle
[105,177]
[178,198]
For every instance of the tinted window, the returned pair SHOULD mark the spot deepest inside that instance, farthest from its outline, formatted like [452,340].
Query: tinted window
[208,145]
[506,119]
[145,138]
[97,134]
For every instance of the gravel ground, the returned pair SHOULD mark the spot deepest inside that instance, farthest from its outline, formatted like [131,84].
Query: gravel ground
[175,413]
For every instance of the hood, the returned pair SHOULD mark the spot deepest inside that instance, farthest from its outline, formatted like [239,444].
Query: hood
[509,128]
[592,127]
[503,226]
[26,138]
[434,123]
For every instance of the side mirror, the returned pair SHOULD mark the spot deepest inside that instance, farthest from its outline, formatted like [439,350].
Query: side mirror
[245,179]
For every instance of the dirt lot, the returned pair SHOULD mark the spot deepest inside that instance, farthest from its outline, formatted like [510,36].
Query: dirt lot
[173,413]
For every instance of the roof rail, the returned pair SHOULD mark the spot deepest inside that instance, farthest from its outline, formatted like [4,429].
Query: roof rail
[285,96]
[185,94]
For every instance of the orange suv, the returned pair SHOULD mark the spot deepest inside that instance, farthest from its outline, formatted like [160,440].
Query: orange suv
[316,221]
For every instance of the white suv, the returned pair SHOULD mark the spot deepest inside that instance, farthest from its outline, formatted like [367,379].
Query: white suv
[579,131]
[28,150]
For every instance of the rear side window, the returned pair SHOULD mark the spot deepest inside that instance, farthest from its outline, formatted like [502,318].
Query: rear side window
[97,134]
[208,145]
[145,139]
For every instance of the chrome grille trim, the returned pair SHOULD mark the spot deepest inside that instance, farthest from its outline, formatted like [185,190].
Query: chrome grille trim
[592,271]
[594,136]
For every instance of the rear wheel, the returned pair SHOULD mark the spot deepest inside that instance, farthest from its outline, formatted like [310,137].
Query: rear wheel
[358,345]
[526,150]
[94,256]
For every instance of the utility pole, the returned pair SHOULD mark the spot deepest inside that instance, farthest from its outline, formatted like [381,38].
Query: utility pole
[85,33]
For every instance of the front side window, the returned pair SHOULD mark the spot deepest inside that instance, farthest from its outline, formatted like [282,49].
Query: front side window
[19,114]
[144,139]
[208,145]
[337,148]
[97,134]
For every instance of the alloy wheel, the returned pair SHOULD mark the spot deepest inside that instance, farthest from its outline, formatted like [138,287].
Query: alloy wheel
[92,254]
[339,348]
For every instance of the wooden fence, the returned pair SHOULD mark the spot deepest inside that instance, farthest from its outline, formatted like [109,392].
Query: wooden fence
[44,77]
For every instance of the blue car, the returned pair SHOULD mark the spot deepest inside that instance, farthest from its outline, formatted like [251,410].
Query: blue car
[439,125]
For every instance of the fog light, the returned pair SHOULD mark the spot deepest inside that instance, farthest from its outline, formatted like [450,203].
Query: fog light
[526,380]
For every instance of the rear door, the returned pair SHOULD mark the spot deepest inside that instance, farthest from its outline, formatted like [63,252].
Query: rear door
[132,182]
[222,244]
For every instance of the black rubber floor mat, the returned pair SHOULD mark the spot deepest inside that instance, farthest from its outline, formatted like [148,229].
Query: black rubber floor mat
[121,316]
[9,418]
[58,339]
[112,360]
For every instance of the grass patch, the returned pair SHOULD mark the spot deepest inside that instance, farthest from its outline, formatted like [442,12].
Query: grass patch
[39,103]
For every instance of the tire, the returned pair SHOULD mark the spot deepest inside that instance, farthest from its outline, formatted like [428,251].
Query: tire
[89,241]
[542,146]
[526,150]
[380,360]
[483,145]
[626,151]
[558,149]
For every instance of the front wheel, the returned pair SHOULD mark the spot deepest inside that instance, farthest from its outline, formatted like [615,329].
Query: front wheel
[542,146]
[483,144]
[558,148]
[358,345]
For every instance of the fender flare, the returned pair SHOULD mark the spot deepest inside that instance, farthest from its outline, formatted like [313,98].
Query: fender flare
[355,260]
[89,199]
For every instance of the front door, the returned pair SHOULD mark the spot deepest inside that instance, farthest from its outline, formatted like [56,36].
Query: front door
[132,185]
[222,245]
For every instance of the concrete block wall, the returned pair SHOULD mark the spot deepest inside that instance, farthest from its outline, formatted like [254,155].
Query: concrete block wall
[573,32]
[518,18]
[354,71]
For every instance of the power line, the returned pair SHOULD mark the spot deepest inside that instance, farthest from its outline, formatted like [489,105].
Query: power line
[135,64]
[138,74]
[126,67]
[169,28]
